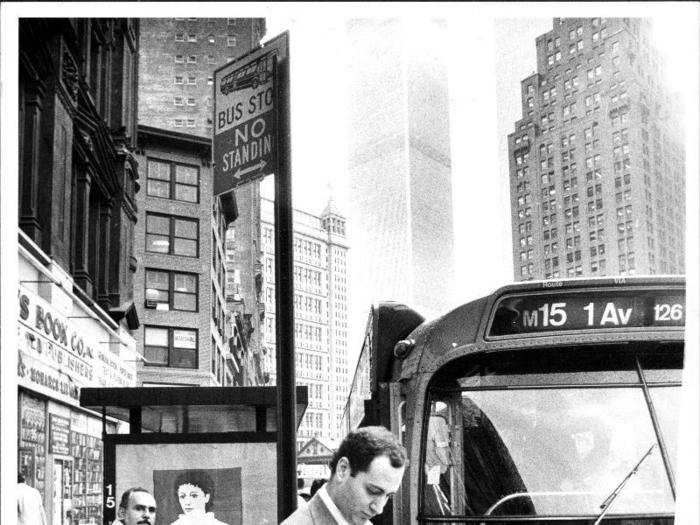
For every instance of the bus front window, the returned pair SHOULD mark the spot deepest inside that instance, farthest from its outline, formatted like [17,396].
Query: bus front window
[548,450]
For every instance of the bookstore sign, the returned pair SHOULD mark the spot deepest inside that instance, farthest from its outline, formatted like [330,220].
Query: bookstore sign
[56,355]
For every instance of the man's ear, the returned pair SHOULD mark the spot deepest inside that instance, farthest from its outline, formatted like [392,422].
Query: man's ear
[342,469]
[120,513]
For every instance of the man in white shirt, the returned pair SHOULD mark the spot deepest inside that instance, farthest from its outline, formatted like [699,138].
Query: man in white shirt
[30,507]
[366,471]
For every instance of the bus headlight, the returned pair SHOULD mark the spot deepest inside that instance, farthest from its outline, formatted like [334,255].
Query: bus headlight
[403,348]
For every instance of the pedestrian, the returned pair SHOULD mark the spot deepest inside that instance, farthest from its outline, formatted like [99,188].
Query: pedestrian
[30,507]
[137,507]
[194,489]
[366,471]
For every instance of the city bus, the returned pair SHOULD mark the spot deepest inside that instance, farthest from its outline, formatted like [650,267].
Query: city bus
[544,402]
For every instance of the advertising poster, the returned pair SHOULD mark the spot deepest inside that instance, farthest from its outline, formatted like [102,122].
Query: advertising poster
[203,484]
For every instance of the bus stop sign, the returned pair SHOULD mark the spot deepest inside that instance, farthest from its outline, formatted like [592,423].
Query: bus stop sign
[246,116]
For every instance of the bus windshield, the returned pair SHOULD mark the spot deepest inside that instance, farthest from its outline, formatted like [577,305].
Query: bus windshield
[516,438]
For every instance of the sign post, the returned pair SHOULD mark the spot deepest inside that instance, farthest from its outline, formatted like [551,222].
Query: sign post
[251,140]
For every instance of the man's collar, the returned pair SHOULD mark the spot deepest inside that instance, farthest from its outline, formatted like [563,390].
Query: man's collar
[332,507]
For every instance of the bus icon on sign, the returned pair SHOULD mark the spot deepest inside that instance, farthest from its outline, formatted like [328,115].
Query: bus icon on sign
[251,76]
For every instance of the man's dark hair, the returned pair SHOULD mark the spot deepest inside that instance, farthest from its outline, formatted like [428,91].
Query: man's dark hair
[364,444]
[198,478]
[124,503]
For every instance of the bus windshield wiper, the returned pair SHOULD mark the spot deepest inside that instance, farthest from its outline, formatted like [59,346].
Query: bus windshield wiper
[605,506]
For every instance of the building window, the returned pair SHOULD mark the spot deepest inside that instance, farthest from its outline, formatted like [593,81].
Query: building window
[172,235]
[210,81]
[179,37]
[192,59]
[178,122]
[211,39]
[178,80]
[192,80]
[177,101]
[191,37]
[170,180]
[190,101]
[180,59]
[166,290]
[211,59]
[190,122]
[174,347]
[231,41]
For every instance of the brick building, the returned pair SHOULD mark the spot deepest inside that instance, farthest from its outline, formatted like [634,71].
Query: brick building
[244,287]
[179,285]
[177,63]
[597,172]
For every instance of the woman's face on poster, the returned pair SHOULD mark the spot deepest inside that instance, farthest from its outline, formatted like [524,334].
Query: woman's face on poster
[192,499]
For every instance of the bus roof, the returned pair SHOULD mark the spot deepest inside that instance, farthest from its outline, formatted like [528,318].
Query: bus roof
[466,328]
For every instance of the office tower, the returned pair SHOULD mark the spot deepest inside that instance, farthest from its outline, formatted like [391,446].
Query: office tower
[176,71]
[399,167]
[320,314]
[597,172]
[77,178]
[177,63]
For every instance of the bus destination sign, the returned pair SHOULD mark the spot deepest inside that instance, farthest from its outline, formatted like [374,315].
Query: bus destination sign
[246,117]
[525,314]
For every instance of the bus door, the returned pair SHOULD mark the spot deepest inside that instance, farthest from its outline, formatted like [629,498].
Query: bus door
[444,486]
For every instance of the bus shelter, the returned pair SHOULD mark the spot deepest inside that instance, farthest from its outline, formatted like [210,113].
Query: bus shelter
[223,437]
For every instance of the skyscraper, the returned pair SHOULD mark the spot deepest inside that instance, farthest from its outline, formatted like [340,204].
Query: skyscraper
[597,173]
[399,167]
[320,314]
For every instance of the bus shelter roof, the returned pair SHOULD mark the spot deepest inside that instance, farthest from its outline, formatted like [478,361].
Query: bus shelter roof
[192,409]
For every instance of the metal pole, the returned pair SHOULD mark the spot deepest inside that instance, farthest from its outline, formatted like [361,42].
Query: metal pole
[284,297]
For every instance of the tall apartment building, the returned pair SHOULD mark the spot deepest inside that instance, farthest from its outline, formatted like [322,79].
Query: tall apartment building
[597,173]
[400,167]
[177,63]
[320,314]
[77,179]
